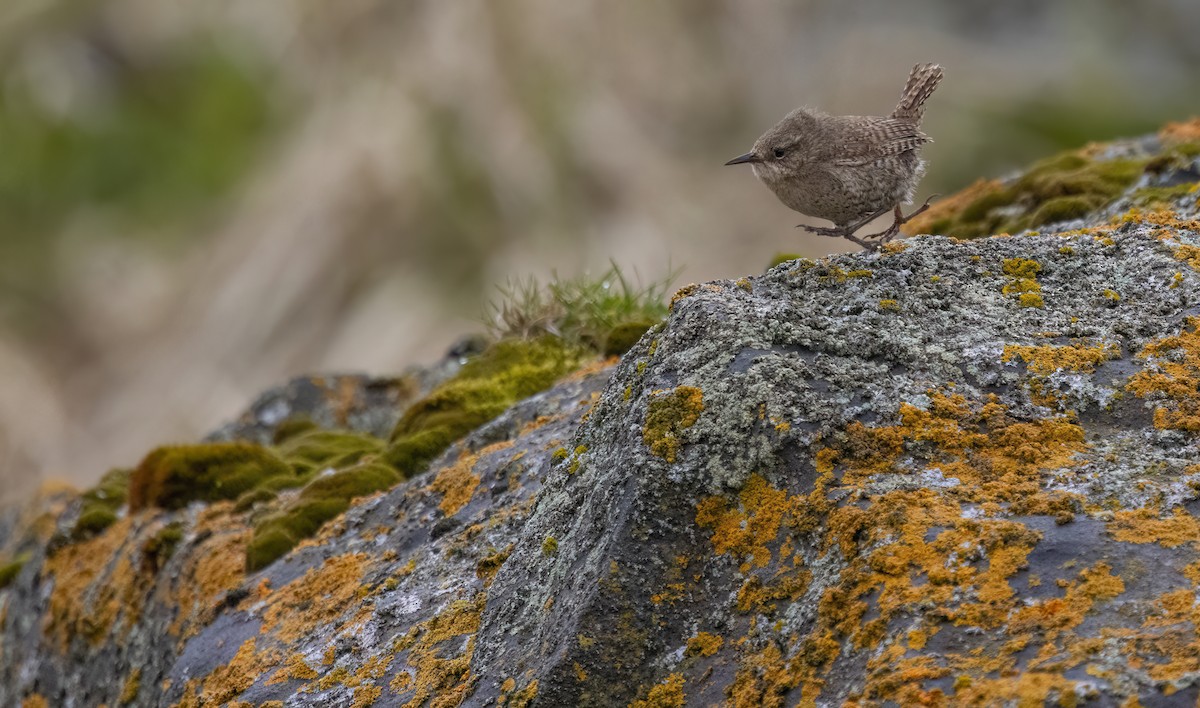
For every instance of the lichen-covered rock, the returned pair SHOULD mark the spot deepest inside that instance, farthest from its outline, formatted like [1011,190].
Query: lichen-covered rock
[949,473]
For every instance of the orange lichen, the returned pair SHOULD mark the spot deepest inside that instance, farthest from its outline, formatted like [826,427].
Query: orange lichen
[133,684]
[230,680]
[90,580]
[213,567]
[668,414]
[668,694]
[745,530]
[442,680]
[704,644]
[295,668]
[318,597]
[1047,359]
[35,700]
[1172,378]
[1147,526]
[366,695]
[456,484]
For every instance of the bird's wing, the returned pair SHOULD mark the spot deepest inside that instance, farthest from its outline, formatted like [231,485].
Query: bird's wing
[869,139]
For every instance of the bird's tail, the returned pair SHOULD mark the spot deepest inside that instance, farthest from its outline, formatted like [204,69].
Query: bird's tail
[921,83]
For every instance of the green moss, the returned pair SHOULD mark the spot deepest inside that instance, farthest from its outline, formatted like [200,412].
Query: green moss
[172,477]
[92,521]
[1066,208]
[324,498]
[622,337]
[161,546]
[314,450]
[1150,196]
[550,546]
[10,570]
[292,427]
[781,258]
[254,497]
[505,373]
[667,416]
[559,455]
[1060,188]
[101,504]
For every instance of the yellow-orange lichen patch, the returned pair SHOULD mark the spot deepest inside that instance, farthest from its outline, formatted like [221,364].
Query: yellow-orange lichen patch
[90,579]
[745,530]
[296,667]
[1148,526]
[668,694]
[456,484]
[1172,378]
[35,700]
[950,206]
[704,644]
[1045,360]
[442,677]
[366,695]
[212,568]
[228,681]
[1056,615]
[1031,688]
[763,677]
[320,596]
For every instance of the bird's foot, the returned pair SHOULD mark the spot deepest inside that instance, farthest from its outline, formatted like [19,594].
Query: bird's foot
[838,232]
[920,210]
[847,232]
[891,232]
[832,232]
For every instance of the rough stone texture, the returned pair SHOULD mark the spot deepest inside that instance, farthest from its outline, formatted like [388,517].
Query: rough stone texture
[954,472]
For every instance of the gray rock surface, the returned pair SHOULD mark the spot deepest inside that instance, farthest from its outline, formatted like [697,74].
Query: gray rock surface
[954,472]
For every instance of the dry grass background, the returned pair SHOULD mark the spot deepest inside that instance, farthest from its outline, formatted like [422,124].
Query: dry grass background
[420,152]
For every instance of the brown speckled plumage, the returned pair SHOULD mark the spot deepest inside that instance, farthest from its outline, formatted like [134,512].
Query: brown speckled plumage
[847,169]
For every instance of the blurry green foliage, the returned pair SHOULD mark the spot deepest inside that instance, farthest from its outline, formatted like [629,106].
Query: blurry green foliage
[170,134]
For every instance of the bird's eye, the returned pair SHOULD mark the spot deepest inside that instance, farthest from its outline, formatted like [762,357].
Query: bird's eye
[779,153]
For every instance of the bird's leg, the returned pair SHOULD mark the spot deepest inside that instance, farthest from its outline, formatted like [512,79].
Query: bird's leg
[890,232]
[846,232]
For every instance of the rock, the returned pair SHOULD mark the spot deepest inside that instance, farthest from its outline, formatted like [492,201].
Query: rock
[953,472]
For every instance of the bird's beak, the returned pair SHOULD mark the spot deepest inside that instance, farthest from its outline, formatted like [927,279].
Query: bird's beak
[748,157]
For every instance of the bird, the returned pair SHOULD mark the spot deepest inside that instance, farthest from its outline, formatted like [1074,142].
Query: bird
[849,169]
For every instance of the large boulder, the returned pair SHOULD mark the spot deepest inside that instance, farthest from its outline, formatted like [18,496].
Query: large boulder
[952,472]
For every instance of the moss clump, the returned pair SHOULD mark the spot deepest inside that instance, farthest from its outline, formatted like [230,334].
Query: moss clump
[505,373]
[101,504]
[172,477]
[10,570]
[1060,188]
[1164,196]
[550,546]
[780,258]
[322,499]
[313,450]
[161,546]
[668,416]
[623,336]
[292,427]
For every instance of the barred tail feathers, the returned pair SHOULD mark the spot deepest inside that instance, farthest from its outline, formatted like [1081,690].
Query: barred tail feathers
[921,83]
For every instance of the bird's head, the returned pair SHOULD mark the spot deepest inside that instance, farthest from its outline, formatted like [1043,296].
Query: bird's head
[782,150]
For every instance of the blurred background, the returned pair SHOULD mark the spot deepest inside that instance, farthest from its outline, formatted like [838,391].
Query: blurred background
[201,200]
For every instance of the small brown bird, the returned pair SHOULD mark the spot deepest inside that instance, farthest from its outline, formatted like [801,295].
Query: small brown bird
[848,169]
